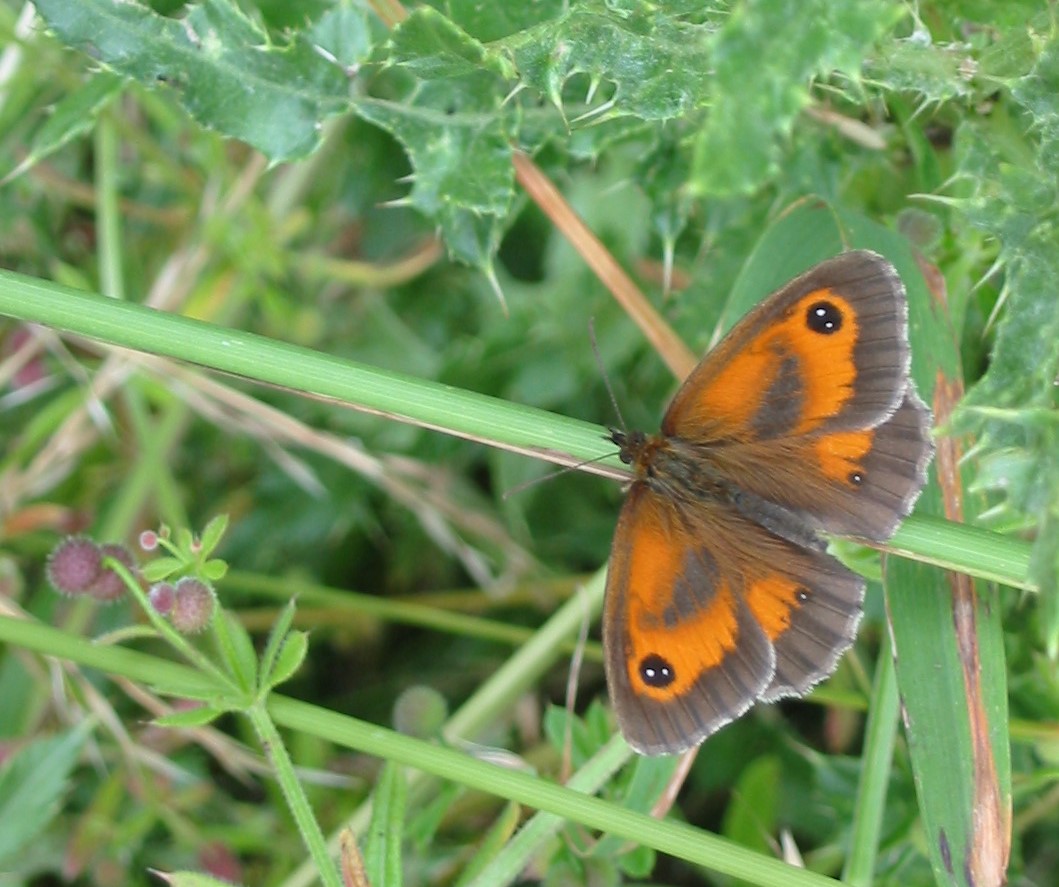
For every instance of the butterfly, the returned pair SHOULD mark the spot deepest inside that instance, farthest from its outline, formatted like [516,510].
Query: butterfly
[802,421]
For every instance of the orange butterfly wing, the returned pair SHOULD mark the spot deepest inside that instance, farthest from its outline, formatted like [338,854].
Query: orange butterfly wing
[807,401]
[700,622]
[719,590]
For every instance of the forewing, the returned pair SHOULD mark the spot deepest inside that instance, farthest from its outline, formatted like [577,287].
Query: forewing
[828,351]
[807,406]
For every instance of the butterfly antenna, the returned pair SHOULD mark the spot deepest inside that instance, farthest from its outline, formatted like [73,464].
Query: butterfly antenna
[603,372]
[566,469]
[518,488]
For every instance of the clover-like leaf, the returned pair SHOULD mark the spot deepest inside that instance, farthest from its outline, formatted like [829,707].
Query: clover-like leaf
[200,716]
[236,649]
[292,654]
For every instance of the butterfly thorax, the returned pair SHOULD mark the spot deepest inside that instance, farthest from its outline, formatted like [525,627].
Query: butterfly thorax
[665,464]
[690,474]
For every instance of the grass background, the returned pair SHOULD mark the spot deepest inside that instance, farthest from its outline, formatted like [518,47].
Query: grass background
[323,197]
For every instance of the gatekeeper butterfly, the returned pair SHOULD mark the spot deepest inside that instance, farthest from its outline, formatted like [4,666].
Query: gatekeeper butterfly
[802,421]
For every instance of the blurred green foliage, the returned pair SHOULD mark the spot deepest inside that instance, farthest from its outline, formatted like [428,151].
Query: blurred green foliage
[285,168]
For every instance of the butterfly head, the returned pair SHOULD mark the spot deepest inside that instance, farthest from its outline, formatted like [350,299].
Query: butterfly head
[636,448]
[629,443]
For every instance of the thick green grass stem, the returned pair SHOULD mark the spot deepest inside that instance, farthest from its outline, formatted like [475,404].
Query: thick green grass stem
[977,552]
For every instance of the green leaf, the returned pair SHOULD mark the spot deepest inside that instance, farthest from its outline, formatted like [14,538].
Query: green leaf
[471,237]
[214,570]
[160,568]
[491,22]
[346,33]
[451,122]
[936,73]
[71,117]
[649,57]
[1038,93]
[277,636]
[236,649]
[432,47]
[762,68]
[993,14]
[1013,181]
[455,127]
[212,535]
[32,783]
[499,834]
[382,852]
[650,777]
[291,656]
[192,717]
[224,69]
[424,820]
[184,540]
[751,818]
[215,696]
[558,723]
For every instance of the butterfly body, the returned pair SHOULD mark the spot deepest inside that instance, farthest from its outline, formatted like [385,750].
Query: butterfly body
[802,422]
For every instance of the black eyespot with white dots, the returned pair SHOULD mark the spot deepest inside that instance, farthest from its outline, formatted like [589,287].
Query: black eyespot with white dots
[824,317]
[802,595]
[856,478]
[656,671]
